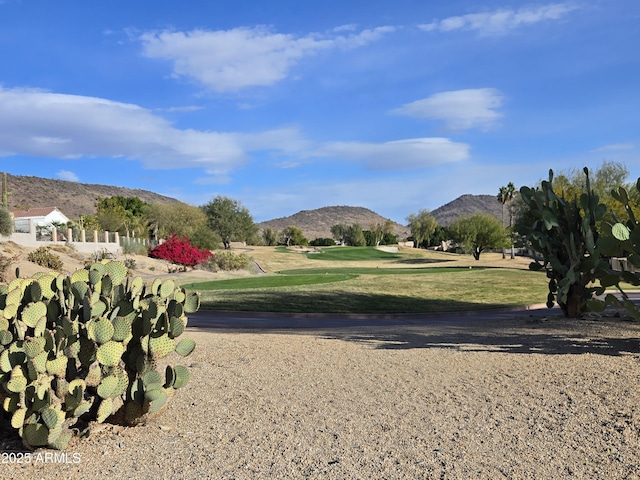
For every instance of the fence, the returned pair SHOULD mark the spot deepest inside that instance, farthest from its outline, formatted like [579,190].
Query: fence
[29,235]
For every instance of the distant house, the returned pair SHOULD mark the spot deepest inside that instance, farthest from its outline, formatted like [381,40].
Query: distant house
[42,217]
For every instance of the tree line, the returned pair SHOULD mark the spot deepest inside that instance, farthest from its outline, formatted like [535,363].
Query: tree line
[224,220]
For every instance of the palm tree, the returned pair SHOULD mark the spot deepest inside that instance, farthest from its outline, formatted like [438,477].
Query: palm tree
[503,198]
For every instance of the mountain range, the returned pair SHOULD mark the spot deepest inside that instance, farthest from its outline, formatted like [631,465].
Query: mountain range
[75,199]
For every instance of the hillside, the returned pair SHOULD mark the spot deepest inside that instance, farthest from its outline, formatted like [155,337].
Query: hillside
[317,223]
[72,198]
[466,205]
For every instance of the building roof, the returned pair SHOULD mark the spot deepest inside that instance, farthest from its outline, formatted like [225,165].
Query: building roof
[34,212]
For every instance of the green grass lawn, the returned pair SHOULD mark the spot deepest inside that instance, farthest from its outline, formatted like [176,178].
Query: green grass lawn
[342,254]
[271,281]
[375,270]
[448,290]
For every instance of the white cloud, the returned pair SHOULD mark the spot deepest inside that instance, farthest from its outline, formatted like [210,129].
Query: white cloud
[615,147]
[52,125]
[398,155]
[459,109]
[229,60]
[502,20]
[188,108]
[67,175]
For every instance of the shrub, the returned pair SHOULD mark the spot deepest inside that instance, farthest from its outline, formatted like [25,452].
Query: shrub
[179,250]
[225,260]
[85,347]
[322,242]
[130,263]
[45,258]
[132,247]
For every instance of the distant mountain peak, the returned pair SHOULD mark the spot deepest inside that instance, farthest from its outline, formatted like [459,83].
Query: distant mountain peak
[466,205]
[317,223]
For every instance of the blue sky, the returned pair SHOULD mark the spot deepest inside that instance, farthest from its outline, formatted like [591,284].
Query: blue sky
[287,105]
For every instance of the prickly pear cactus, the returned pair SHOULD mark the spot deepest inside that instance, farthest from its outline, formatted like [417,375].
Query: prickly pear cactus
[623,238]
[564,232]
[84,348]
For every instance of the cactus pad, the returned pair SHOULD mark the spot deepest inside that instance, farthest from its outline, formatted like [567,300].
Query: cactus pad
[40,362]
[110,353]
[17,419]
[121,329]
[185,347]
[621,232]
[103,330]
[6,337]
[104,410]
[117,271]
[176,327]
[33,347]
[166,288]
[46,282]
[155,400]
[81,276]
[94,376]
[152,380]
[50,417]
[35,435]
[57,366]
[18,382]
[77,383]
[35,292]
[192,302]
[161,346]
[107,386]
[33,312]
[180,295]
[182,376]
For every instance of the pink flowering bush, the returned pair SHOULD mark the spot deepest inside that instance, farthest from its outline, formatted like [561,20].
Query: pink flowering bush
[179,250]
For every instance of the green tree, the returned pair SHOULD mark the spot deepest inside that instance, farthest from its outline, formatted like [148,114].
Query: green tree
[422,225]
[339,231]
[88,223]
[607,177]
[176,217]
[205,238]
[269,237]
[121,214]
[441,234]
[292,235]
[380,229]
[354,236]
[477,233]
[6,222]
[229,219]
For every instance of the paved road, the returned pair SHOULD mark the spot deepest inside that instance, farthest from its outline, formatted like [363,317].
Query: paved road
[276,321]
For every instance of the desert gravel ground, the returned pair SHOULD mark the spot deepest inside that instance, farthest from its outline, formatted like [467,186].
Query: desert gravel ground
[539,398]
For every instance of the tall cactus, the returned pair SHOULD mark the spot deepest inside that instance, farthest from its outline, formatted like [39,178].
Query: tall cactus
[5,194]
[564,232]
[623,238]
